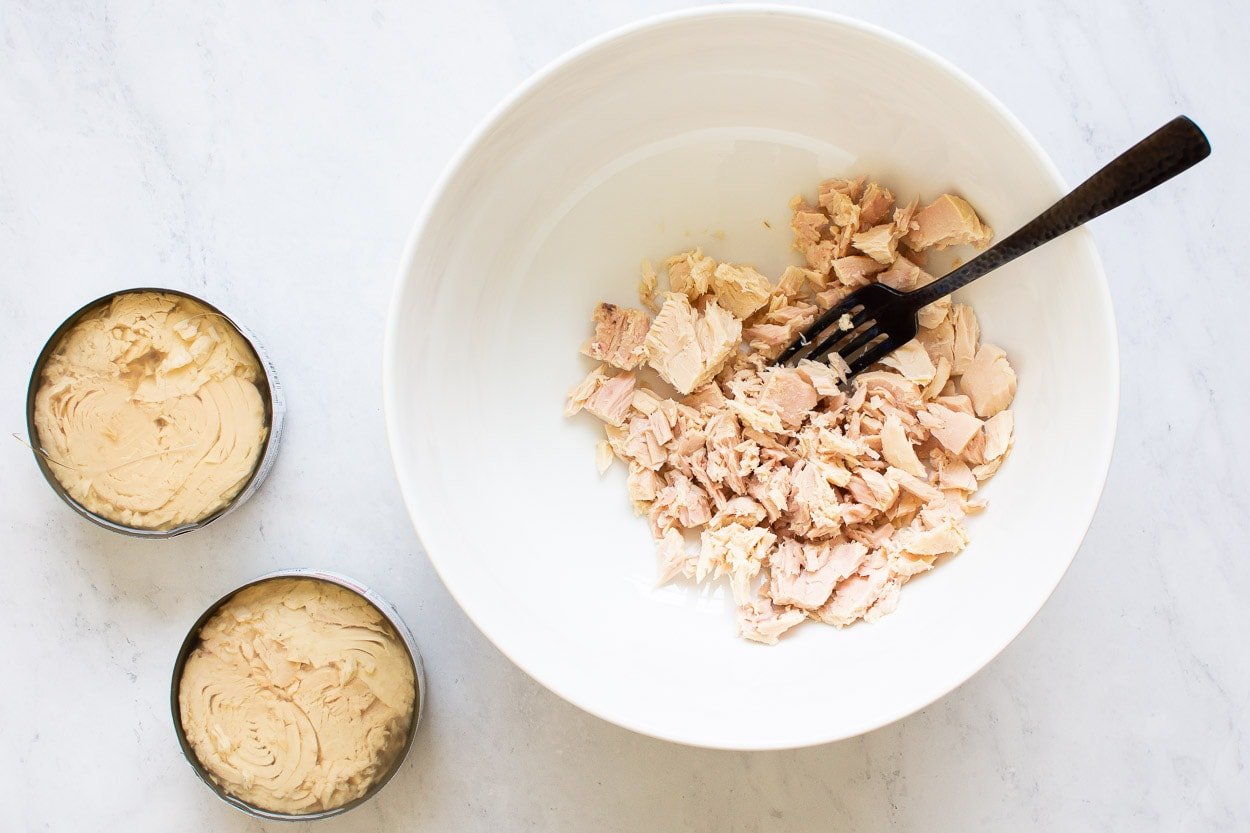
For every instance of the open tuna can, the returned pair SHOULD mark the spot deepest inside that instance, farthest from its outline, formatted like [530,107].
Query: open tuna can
[152,413]
[297,696]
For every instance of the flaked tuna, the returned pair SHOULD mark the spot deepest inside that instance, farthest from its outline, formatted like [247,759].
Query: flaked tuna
[686,347]
[740,289]
[947,221]
[619,336]
[690,273]
[812,497]
[989,381]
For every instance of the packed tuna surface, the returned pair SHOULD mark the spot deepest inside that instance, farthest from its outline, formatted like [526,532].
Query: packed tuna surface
[816,498]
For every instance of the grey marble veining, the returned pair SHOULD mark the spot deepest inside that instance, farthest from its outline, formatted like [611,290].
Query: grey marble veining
[273,157]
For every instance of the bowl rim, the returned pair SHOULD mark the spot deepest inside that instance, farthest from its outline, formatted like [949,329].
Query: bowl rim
[1106,427]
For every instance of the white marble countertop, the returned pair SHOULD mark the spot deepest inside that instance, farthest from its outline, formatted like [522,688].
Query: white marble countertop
[273,157]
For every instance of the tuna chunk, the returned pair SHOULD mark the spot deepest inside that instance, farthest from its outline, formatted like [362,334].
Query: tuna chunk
[939,342]
[966,336]
[789,395]
[852,189]
[581,393]
[807,226]
[913,361]
[804,575]
[795,280]
[814,506]
[856,270]
[736,551]
[674,560]
[989,381]
[688,348]
[619,336]
[947,538]
[761,621]
[878,242]
[904,275]
[853,596]
[824,377]
[897,448]
[740,289]
[708,397]
[820,255]
[941,375]
[741,510]
[643,483]
[998,430]
[603,456]
[612,400]
[648,285]
[690,273]
[947,221]
[953,429]
[875,206]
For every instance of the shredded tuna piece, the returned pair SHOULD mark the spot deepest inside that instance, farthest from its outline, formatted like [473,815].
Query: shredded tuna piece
[875,205]
[814,498]
[965,338]
[941,375]
[852,189]
[856,270]
[619,335]
[581,393]
[688,348]
[708,397]
[740,289]
[761,621]
[648,285]
[825,377]
[998,429]
[820,255]
[807,227]
[804,575]
[690,273]
[953,429]
[736,551]
[673,558]
[947,221]
[904,275]
[855,595]
[607,398]
[878,242]
[740,510]
[603,456]
[913,361]
[989,381]
[897,449]
[643,483]
[789,395]
[939,342]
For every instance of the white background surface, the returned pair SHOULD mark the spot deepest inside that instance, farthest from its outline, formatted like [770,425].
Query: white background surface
[272,158]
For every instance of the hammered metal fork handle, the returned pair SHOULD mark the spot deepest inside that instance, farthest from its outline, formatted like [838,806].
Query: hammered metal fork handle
[1171,149]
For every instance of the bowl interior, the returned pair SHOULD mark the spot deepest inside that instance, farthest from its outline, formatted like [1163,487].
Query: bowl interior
[697,130]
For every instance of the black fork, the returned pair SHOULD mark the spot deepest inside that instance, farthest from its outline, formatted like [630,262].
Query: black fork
[876,320]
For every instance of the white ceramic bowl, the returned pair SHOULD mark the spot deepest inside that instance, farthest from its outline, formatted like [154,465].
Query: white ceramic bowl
[696,128]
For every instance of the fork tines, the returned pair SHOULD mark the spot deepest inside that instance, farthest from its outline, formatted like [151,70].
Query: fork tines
[851,329]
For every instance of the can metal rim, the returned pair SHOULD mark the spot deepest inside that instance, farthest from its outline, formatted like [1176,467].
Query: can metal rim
[388,611]
[275,406]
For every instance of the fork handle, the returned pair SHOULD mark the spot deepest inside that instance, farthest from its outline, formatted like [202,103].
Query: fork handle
[1173,148]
